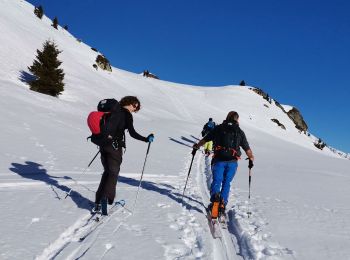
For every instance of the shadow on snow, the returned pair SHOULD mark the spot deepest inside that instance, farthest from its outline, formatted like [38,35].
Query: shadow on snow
[34,171]
[167,191]
[189,141]
[26,77]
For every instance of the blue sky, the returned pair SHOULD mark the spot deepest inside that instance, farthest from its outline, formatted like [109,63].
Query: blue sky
[296,51]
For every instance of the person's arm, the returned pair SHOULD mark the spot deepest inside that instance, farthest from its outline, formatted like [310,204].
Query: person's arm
[207,138]
[245,145]
[131,129]
[250,155]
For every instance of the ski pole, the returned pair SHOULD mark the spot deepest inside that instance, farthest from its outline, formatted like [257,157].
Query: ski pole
[143,169]
[250,180]
[189,171]
[68,193]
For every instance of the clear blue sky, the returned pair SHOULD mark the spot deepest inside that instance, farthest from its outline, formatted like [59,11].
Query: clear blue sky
[298,51]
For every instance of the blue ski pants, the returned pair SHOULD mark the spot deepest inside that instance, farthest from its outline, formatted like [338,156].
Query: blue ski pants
[223,173]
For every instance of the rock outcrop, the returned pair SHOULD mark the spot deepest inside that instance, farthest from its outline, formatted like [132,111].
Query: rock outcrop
[298,120]
[103,63]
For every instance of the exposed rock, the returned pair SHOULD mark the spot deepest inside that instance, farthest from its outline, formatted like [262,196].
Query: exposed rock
[279,105]
[278,123]
[262,93]
[103,63]
[319,144]
[148,74]
[297,118]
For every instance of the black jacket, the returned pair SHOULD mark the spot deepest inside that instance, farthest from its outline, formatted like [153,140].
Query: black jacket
[120,121]
[218,131]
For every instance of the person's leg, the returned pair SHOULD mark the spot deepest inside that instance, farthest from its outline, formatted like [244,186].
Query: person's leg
[206,150]
[229,173]
[100,190]
[111,160]
[218,175]
[113,167]
[210,146]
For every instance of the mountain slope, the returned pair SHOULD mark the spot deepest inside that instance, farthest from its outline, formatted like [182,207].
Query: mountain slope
[299,193]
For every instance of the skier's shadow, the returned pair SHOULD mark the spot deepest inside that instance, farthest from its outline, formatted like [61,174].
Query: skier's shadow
[168,191]
[34,171]
[189,141]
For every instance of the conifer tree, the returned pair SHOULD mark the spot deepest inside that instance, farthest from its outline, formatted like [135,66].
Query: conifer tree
[55,23]
[242,83]
[49,78]
[39,11]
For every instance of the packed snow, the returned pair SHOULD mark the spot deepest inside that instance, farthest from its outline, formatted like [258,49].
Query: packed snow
[299,194]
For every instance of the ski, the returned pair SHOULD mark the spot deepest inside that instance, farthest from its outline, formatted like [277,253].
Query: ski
[214,224]
[99,219]
[223,221]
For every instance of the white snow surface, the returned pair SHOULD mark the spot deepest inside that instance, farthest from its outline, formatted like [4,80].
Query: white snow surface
[299,194]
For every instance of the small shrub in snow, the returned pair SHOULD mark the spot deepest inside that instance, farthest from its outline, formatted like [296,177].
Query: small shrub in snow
[39,11]
[55,23]
[319,144]
[48,77]
[65,27]
[94,49]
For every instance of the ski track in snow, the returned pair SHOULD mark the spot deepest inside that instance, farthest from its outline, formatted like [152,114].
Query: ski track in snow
[191,231]
[245,236]
[73,234]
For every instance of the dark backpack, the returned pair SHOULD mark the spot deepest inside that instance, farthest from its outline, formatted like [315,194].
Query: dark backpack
[226,143]
[105,121]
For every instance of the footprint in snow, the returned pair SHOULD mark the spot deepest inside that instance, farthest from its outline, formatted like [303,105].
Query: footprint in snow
[163,206]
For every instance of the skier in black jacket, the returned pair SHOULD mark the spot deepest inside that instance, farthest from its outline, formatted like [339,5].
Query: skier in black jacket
[227,138]
[111,153]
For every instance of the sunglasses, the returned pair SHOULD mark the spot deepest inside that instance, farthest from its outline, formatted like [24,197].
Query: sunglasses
[136,106]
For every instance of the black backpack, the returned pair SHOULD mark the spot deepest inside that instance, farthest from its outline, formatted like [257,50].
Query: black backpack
[226,142]
[105,122]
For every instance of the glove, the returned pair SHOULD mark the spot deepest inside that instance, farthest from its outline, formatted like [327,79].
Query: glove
[195,148]
[150,138]
[194,151]
[250,164]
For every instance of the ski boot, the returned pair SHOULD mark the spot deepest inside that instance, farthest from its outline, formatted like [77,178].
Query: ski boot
[222,208]
[96,208]
[214,210]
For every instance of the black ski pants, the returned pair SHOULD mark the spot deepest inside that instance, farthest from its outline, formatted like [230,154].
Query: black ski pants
[111,160]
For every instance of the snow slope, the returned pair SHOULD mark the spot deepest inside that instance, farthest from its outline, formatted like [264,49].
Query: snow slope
[299,193]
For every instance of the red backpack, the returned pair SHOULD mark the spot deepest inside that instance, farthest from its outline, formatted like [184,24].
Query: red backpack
[98,121]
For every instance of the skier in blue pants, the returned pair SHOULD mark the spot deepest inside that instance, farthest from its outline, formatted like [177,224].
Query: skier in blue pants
[224,173]
[227,138]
